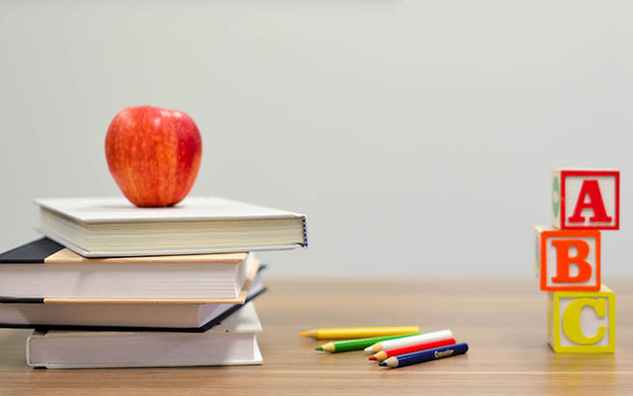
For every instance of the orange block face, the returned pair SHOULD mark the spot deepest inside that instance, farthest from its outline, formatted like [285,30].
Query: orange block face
[568,259]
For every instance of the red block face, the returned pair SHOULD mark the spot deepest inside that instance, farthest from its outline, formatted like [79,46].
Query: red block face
[568,259]
[586,199]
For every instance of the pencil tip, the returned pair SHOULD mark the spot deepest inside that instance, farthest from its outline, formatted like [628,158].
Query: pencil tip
[383,364]
[310,334]
[318,348]
[372,358]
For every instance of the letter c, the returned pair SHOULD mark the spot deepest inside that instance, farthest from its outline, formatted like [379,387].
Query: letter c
[571,320]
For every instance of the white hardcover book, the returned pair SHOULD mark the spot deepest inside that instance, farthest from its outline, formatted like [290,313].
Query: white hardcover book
[46,272]
[99,316]
[113,227]
[231,343]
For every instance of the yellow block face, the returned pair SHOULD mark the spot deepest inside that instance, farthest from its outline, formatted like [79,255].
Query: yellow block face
[581,322]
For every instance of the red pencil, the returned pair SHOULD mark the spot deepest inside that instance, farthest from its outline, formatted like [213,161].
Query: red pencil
[382,355]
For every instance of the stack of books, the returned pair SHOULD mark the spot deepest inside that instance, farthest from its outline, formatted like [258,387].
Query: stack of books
[113,285]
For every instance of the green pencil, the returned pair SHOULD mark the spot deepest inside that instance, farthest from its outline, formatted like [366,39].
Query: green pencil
[356,345]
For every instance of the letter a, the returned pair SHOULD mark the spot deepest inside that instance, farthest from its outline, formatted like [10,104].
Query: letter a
[592,189]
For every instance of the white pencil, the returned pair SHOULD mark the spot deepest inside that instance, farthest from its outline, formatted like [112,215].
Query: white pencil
[403,342]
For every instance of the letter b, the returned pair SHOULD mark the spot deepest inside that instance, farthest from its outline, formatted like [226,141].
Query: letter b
[568,259]
[564,260]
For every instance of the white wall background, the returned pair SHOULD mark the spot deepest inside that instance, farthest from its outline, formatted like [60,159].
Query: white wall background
[418,135]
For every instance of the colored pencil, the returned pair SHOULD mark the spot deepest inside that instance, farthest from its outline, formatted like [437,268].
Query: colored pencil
[359,332]
[357,344]
[400,343]
[382,355]
[425,356]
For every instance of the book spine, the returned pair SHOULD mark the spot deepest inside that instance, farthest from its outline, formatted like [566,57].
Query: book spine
[21,300]
[305,232]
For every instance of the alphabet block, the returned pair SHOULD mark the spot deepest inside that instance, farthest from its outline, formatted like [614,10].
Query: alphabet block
[586,199]
[568,259]
[581,322]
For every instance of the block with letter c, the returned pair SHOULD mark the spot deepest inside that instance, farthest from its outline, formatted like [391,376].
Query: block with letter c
[582,322]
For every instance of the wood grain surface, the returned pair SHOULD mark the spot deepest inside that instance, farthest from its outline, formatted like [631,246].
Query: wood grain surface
[502,320]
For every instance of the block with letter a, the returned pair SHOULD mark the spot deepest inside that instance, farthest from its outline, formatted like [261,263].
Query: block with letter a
[586,199]
[568,259]
[581,322]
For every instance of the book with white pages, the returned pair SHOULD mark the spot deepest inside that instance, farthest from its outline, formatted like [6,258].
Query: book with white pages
[122,317]
[113,227]
[43,271]
[233,342]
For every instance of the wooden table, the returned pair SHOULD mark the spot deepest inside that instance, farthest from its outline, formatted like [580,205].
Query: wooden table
[503,322]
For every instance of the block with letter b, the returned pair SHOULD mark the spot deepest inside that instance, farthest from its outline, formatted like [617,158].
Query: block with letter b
[581,322]
[568,259]
[586,199]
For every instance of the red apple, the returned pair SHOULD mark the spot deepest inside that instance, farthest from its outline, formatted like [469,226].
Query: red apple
[153,154]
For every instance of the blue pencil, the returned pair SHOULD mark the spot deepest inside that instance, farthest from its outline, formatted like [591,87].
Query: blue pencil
[426,355]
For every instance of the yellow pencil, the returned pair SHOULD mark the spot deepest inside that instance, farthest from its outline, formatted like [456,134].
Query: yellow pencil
[359,332]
